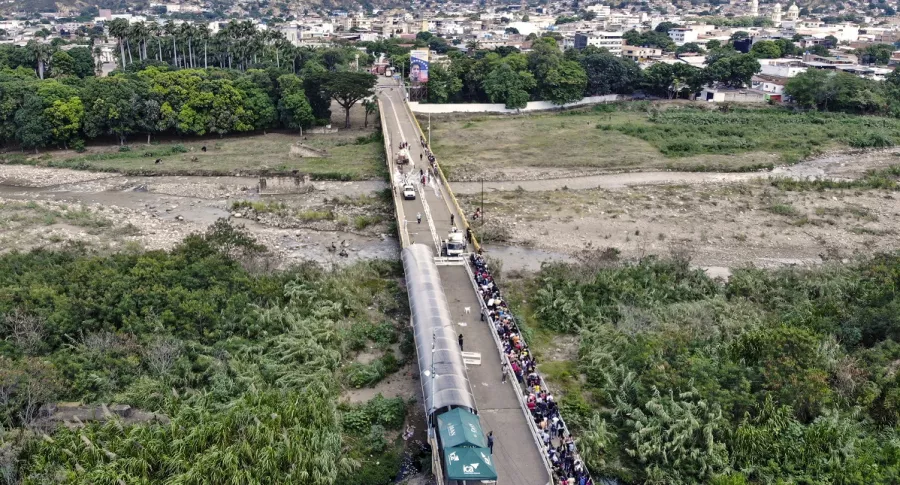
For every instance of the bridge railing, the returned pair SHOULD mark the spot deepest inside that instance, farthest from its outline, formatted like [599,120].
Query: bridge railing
[402,231]
[521,394]
[532,428]
[444,182]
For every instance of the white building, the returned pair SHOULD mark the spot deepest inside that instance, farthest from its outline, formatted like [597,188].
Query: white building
[600,10]
[525,28]
[793,13]
[683,36]
[776,14]
[611,41]
[784,68]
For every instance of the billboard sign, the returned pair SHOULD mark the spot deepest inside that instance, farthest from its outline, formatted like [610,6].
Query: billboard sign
[418,66]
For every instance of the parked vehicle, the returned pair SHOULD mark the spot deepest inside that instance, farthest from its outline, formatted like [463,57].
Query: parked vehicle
[454,245]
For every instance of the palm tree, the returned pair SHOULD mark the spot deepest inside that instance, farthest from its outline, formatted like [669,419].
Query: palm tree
[171,30]
[141,33]
[118,28]
[40,52]
[203,32]
[371,106]
[187,32]
[155,31]
[97,54]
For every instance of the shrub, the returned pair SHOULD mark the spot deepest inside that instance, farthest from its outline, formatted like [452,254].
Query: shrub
[124,148]
[782,209]
[870,139]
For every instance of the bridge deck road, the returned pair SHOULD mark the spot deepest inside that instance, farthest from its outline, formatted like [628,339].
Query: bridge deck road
[516,456]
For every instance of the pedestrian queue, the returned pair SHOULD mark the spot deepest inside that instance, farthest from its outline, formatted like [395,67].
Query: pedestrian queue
[558,444]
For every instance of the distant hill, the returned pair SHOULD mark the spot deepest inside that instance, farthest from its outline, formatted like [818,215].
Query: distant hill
[71,6]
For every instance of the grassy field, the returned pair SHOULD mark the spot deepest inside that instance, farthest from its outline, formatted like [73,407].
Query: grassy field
[629,137]
[342,156]
[354,154]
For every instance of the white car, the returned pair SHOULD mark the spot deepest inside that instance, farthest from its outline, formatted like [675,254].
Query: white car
[409,192]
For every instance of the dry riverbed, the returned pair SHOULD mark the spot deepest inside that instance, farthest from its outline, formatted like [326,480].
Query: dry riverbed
[718,224]
[44,207]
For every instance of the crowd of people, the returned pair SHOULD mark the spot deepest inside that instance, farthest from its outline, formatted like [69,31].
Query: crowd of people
[518,361]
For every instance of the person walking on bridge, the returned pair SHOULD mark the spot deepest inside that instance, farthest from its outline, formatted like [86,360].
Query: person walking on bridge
[419,218]
[460,342]
[491,442]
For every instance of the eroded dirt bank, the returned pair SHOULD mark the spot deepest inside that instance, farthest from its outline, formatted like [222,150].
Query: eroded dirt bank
[43,206]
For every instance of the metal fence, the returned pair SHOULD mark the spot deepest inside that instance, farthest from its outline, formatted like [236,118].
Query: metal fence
[402,231]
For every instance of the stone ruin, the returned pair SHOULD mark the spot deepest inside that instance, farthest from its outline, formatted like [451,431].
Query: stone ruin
[292,184]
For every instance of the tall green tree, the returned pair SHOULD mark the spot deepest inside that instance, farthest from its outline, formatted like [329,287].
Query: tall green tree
[766,49]
[112,107]
[505,85]
[314,78]
[565,83]
[118,28]
[34,130]
[83,61]
[607,73]
[735,71]
[443,84]
[62,64]
[293,107]
[40,53]
[347,88]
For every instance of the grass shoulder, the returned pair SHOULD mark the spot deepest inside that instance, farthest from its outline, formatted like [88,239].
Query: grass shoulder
[337,156]
[641,136]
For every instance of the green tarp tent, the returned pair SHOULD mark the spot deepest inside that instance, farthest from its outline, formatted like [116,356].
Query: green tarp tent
[459,427]
[469,464]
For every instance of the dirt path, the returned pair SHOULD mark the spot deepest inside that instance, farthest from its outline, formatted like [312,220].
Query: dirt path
[607,181]
[843,165]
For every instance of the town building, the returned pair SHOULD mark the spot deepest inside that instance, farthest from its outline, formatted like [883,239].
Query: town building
[682,36]
[611,41]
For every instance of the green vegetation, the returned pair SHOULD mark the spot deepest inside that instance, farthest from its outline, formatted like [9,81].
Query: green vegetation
[22,214]
[245,366]
[785,376]
[648,136]
[513,78]
[840,91]
[339,157]
[685,132]
[161,100]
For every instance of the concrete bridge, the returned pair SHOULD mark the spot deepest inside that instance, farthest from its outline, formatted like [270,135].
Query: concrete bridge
[517,456]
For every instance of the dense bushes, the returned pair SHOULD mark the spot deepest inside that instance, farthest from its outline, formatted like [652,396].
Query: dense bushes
[247,366]
[158,100]
[688,132]
[783,376]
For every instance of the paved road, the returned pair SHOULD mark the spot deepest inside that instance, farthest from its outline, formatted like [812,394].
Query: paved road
[516,456]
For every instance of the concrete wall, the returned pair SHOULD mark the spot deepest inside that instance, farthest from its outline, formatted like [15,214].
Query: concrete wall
[499,108]
[298,184]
